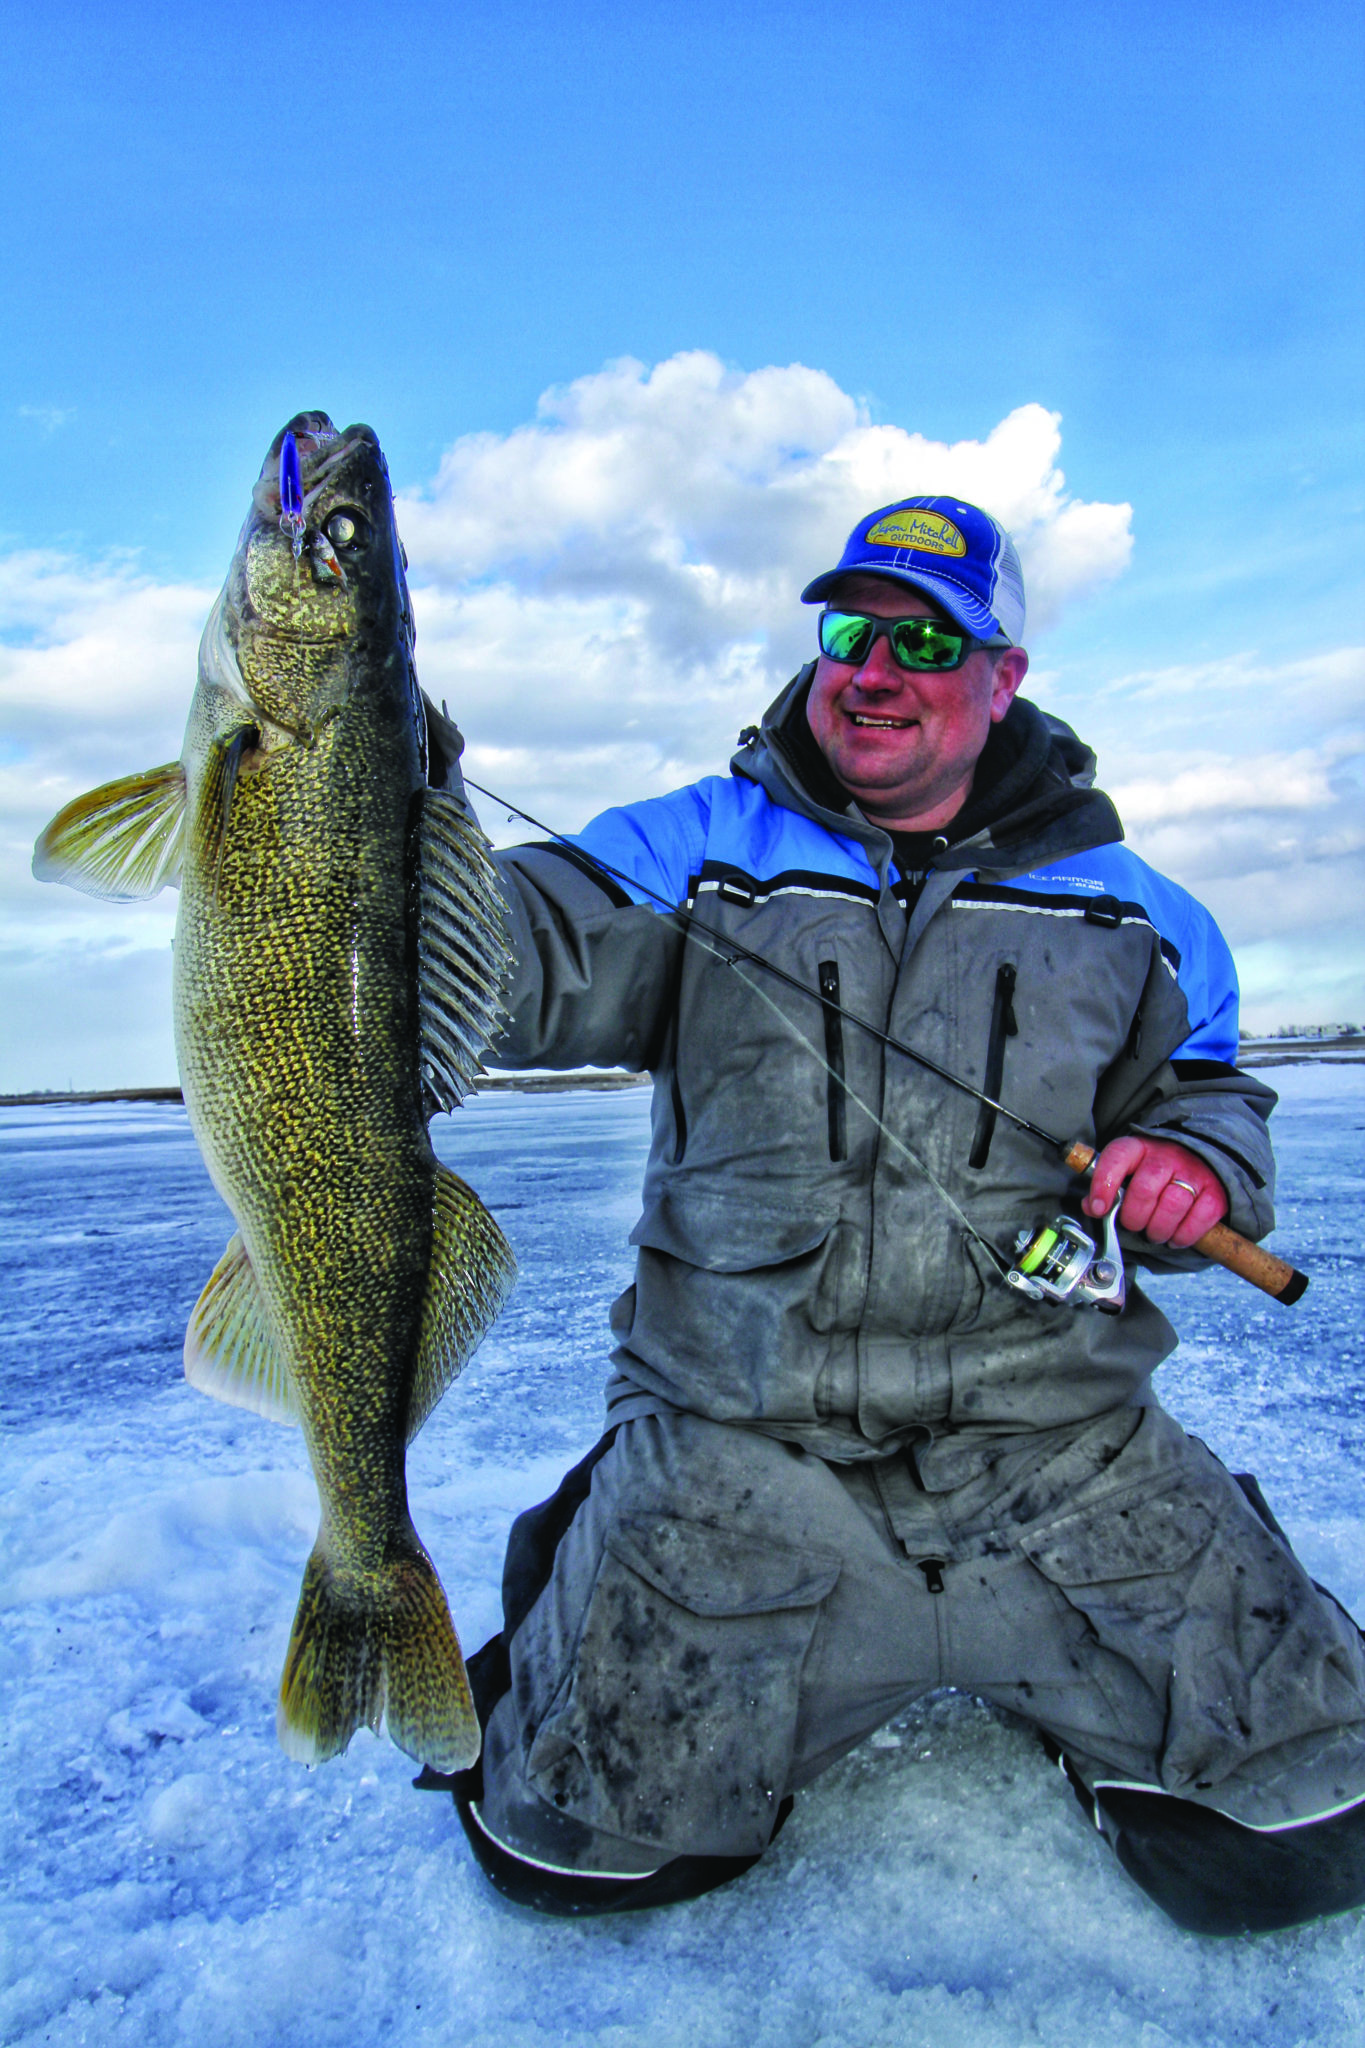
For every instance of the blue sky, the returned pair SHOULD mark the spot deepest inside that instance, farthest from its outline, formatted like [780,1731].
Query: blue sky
[1146,219]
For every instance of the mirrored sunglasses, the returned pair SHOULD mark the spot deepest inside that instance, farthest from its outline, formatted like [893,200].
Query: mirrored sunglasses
[915,643]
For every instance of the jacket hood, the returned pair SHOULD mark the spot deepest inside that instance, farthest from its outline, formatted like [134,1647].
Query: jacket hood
[1032,800]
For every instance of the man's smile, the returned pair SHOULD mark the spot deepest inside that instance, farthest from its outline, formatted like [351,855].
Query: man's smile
[904,741]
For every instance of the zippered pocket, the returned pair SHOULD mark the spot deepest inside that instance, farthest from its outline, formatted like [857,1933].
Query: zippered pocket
[679,1119]
[1003,1026]
[834,1054]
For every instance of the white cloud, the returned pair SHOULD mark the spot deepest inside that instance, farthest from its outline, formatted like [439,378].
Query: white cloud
[1254,783]
[97,663]
[608,593]
[1242,698]
[94,656]
[1245,780]
[51,418]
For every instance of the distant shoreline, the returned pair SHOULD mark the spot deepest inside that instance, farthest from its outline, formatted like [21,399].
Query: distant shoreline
[1345,1051]
[1254,1052]
[524,1084]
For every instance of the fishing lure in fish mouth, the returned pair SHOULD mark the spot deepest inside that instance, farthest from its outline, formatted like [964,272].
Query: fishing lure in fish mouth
[291,494]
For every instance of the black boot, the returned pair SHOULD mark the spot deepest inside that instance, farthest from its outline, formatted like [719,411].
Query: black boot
[572,1893]
[1214,1876]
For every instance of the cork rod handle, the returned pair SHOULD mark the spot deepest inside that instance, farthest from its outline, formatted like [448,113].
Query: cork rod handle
[1225,1247]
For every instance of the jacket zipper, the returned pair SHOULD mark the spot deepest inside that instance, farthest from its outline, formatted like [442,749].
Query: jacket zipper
[834,1054]
[1003,1026]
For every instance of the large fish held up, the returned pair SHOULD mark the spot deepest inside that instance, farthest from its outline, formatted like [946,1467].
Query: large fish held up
[339,957]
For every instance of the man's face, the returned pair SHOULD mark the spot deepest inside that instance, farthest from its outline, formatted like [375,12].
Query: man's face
[905,743]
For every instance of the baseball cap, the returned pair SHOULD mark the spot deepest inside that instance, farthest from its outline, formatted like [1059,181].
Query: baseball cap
[953,552]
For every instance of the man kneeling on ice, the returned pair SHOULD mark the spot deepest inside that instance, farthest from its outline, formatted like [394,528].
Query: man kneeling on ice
[845,1461]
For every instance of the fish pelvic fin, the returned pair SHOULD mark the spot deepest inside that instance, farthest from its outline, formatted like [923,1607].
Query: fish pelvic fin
[371,1648]
[473,1270]
[121,841]
[229,1352]
[462,949]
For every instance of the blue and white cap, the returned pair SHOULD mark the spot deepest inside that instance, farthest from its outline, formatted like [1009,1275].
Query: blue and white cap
[954,553]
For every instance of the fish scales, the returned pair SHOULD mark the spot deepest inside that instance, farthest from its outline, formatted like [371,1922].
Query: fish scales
[328,1169]
[318,1023]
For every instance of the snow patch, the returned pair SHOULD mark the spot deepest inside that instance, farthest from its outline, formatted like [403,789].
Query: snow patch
[172,1877]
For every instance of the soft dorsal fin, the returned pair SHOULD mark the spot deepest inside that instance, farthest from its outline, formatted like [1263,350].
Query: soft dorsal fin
[121,840]
[228,1348]
[462,954]
[472,1271]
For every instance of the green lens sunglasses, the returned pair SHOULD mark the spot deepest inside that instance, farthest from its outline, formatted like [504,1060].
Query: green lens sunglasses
[916,643]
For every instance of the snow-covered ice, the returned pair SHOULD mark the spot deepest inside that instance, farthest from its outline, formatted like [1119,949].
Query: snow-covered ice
[171,1877]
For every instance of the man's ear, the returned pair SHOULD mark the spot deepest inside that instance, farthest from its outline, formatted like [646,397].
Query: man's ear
[1010,671]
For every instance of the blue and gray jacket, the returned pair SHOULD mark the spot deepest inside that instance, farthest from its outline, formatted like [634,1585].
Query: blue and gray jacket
[798,1269]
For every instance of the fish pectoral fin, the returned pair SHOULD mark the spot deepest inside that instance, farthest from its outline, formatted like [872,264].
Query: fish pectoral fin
[472,1272]
[462,950]
[228,1348]
[214,810]
[121,841]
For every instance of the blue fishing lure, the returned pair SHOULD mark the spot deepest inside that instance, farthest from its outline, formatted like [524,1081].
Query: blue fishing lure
[291,494]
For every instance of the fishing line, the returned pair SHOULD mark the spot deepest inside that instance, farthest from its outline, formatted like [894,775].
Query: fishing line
[714,943]
[1264,1269]
[1002,1265]
[722,940]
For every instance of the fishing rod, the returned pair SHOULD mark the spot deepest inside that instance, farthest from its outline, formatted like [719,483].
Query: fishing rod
[1058,1272]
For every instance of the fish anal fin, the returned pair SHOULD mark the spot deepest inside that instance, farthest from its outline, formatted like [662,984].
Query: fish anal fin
[376,1646]
[462,950]
[121,841]
[229,1352]
[472,1273]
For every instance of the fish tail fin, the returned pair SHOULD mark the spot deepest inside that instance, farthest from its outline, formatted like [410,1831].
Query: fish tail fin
[372,1648]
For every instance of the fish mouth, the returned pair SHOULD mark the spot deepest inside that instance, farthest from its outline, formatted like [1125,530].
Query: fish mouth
[315,434]
[324,451]
[316,427]
[314,556]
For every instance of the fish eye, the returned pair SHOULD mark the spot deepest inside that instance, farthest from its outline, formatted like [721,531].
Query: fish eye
[346,530]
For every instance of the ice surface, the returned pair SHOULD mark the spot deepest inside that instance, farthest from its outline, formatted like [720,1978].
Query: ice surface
[172,1877]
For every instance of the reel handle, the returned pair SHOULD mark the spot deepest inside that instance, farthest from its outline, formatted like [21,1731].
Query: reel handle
[1274,1276]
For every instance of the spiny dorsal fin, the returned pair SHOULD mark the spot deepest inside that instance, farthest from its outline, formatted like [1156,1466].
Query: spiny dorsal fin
[121,840]
[472,1271]
[462,954]
[228,1349]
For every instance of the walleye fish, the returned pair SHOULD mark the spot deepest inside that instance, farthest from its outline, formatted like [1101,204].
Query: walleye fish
[339,957]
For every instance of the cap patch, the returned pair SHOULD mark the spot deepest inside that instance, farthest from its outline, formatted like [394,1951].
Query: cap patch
[929,532]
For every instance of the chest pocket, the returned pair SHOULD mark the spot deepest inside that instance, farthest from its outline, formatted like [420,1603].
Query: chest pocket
[724,1230]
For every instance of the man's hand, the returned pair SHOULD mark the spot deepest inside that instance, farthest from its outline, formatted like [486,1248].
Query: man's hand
[1172,1195]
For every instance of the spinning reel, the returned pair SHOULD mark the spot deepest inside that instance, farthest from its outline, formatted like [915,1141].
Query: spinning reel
[1060,1262]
